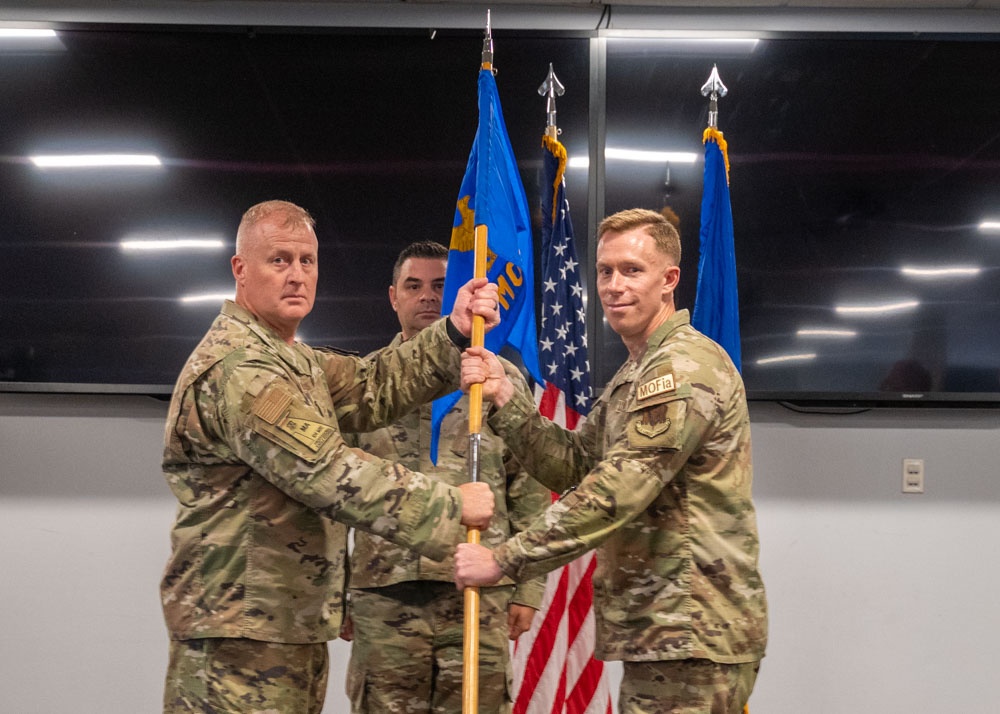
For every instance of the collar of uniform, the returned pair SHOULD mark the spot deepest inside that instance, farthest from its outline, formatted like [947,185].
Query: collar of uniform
[397,340]
[632,369]
[292,354]
[678,319]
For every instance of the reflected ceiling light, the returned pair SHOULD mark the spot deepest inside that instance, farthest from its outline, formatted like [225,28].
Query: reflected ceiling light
[990,226]
[825,332]
[653,157]
[683,43]
[679,157]
[778,359]
[885,308]
[88,161]
[137,245]
[29,39]
[206,297]
[955,271]
[26,33]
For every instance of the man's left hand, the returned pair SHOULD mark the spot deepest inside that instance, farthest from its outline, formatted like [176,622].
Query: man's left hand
[519,619]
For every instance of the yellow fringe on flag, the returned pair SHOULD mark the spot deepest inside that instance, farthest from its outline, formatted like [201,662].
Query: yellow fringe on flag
[559,151]
[711,133]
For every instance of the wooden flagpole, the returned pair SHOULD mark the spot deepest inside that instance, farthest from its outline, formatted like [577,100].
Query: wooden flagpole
[470,651]
[470,632]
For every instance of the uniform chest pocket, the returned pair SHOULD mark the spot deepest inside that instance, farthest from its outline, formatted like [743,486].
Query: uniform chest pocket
[657,423]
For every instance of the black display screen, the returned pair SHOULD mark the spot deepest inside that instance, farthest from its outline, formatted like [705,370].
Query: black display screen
[865,180]
[371,133]
[865,184]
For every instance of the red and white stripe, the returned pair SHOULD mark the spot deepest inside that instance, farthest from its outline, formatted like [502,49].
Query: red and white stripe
[554,668]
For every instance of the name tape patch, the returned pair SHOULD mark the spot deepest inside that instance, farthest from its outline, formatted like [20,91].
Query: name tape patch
[311,433]
[659,385]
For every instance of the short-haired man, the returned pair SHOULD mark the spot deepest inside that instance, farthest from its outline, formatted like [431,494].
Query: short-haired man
[407,615]
[658,479]
[267,487]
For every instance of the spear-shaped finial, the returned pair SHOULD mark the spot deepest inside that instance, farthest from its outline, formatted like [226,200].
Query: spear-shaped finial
[488,45]
[713,89]
[551,88]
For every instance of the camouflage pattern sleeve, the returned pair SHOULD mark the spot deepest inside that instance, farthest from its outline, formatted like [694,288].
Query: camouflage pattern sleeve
[580,520]
[298,448]
[526,499]
[555,457]
[376,390]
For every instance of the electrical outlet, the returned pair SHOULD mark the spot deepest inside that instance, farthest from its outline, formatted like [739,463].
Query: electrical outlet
[913,475]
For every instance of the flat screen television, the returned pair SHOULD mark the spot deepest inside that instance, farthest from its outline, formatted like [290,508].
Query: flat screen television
[865,179]
[865,185]
[369,131]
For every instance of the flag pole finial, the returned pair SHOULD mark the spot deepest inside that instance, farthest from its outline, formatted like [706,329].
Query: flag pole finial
[488,45]
[550,89]
[713,89]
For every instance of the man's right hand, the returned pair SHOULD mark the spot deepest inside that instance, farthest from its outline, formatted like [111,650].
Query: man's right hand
[475,566]
[477,504]
[480,366]
[476,297]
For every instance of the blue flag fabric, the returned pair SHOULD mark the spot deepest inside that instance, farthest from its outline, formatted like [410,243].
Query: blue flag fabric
[492,194]
[716,305]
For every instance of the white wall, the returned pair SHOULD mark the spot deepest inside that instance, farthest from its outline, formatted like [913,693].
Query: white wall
[880,602]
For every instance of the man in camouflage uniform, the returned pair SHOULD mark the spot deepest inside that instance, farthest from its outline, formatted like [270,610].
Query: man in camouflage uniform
[267,487]
[407,615]
[659,478]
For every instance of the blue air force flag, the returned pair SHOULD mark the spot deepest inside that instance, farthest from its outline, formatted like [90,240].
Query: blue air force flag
[716,305]
[492,195]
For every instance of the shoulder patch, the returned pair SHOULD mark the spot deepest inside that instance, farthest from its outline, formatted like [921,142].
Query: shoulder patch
[271,404]
[285,417]
[311,433]
[654,429]
[661,384]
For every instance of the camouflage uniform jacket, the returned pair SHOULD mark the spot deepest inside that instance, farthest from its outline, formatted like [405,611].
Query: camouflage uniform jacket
[267,487]
[660,478]
[376,562]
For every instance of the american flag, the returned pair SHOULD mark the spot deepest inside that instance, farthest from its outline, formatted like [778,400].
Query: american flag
[554,668]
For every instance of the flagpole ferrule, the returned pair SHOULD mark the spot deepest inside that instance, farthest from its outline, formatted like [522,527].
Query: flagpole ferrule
[472,462]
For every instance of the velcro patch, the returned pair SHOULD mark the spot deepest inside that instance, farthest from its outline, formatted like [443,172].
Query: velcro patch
[311,433]
[652,430]
[655,386]
[271,405]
